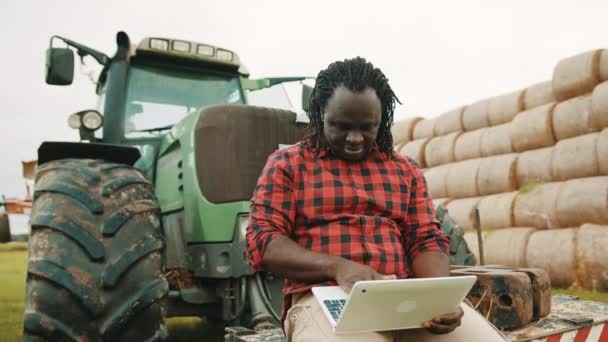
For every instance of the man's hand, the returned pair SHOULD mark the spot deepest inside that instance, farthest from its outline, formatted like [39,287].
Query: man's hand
[444,324]
[347,273]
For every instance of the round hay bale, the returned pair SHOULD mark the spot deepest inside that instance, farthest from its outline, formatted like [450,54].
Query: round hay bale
[496,211]
[575,158]
[535,206]
[555,252]
[449,122]
[462,179]
[576,75]
[475,116]
[583,200]
[441,201]
[436,179]
[572,118]
[602,152]
[592,259]
[533,128]
[468,145]
[497,174]
[424,128]
[462,211]
[415,150]
[599,107]
[507,246]
[503,108]
[470,238]
[604,65]
[403,130]
[534,166]
[440,150]
[538,94]
[496,140]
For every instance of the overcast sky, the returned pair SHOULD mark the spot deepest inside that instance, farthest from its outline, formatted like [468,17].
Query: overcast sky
[437,54]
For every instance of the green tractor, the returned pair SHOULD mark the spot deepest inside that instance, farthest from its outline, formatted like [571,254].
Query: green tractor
[145,218]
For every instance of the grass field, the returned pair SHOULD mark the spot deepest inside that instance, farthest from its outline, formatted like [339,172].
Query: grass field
[13,261]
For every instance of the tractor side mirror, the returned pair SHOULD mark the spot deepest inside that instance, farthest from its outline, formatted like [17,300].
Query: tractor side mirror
[59,66]
[306,94]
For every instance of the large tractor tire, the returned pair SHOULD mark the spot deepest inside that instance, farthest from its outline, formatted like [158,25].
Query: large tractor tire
[95,255]
[5,229]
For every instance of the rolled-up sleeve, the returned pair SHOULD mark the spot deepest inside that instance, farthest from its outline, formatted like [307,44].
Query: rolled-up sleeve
[422,230]
[272,209]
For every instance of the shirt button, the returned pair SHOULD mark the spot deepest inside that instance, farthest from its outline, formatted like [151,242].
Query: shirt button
[364,239]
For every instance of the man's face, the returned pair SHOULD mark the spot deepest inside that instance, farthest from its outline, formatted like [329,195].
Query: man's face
[351,122]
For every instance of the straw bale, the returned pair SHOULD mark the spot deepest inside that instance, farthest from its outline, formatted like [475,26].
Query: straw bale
[572,118]
[449,122]
[403,130]
[440,150]
[462,178]
[583,200]
[592,259]
[535,206]
[575,157]
[602,151]
[534,166]
[475,116]
[415,150]
[503,108]
[496,211]
[496,140]
[441,201]
[436,179]
[424,128]
[604,65]
[507,246]
[533,128]
[555,252]
[599,107]
[462,211]
[470,237]
[538,94]
[468,145]
[497,174]
[576,75]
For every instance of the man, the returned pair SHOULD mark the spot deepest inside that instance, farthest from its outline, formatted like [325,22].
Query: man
[342,206]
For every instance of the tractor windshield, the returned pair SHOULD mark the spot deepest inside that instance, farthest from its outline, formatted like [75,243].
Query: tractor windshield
[158,98]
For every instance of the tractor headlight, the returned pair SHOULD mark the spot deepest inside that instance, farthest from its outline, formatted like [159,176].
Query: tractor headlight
[223,55]
[92,120]
[159,44]
[74,121]
[243,223]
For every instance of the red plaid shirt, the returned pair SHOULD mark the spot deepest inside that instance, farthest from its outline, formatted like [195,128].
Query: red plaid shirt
[376,212]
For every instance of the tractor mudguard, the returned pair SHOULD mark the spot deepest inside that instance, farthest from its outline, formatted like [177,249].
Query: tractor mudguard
[51,150]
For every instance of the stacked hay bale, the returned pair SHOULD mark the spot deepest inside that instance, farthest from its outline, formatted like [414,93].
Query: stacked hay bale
[534,162]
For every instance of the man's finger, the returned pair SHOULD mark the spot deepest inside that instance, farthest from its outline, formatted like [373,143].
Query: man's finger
[437,328]
[448,318]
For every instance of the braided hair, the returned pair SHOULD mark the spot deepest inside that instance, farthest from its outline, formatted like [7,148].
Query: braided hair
[356,75]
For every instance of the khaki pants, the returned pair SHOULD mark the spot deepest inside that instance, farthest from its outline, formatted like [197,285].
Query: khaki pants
[306,322]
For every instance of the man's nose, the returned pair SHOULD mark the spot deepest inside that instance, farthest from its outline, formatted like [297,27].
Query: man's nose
[354,137]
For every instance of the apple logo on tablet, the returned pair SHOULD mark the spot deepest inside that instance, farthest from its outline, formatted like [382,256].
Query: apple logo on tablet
[406,306]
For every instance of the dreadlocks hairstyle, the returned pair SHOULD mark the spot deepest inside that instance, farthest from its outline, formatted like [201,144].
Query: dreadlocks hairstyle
[355,74]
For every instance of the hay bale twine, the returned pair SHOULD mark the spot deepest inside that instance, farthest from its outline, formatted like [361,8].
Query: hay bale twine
[449,122]
[604,65]
[462,210]
[462,179]
[503,108]
[497,174]
[576,75]
[538,94]
[440,150]
[583,200]
[507,246]
[533,128]
[441,201]
[602,151]
[555,252]
[436,179]
[496,211]
[424,128]
[572,118]
[535,206]
[403,130]
[591,257]
[575,158]
[534,166]
[496,140]
[415,150]
[470,238]
[599,107]
[475,116]
[468,145]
